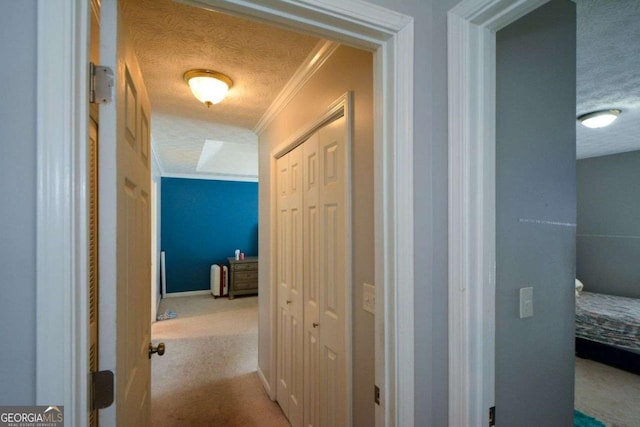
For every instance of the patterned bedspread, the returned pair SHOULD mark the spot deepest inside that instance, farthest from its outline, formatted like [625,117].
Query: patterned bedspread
[609,320]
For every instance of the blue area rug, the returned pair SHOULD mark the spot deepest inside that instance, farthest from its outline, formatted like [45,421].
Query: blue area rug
[169,314]
[582,420]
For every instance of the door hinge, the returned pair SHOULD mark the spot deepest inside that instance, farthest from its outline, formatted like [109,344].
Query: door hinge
[376,394]
[100,84]
[492,416]
[101,389]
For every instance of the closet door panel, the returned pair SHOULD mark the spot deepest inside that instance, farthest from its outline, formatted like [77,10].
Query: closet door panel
[295,301]
[311,282]
[334,280]
[283,341]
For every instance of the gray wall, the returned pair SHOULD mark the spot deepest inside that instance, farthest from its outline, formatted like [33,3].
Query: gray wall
[430,206]
[535,182]
[17,209]
[608,243]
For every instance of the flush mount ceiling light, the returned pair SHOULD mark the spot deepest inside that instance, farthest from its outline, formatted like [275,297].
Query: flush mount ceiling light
[599,119]
[210,87]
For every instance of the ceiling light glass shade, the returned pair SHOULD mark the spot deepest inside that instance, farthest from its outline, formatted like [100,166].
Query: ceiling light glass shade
[599,119]
[210,87]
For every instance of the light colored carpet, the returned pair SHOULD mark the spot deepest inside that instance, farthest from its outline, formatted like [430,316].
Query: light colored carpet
[609,394]
[207,376]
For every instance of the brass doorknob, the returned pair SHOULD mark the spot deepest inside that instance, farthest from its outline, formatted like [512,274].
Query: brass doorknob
[158,349]
[315,325]
[288,301]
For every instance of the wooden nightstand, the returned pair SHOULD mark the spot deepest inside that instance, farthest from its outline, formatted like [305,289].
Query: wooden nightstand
[243,276]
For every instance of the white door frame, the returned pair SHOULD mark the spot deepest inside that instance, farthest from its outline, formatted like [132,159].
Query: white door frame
[62,336]
[61,288]
[472,27]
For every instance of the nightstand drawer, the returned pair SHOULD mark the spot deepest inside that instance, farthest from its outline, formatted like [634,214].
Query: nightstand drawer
[241,285]
[245,276]
[245,266]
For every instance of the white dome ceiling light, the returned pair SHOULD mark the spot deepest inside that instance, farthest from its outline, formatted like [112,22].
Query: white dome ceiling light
[210,87]
[599,119]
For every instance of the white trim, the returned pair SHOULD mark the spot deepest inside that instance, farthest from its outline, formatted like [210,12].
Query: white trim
[62,215]
[211,177]
[108,202]
[156,243]
[273,280]
[156,158]
[348,113]
[382,361]
[163,274]
[188,293]
[401,232]
[471,45]
[355,22]
[337,109]
[265,383]
[312,63]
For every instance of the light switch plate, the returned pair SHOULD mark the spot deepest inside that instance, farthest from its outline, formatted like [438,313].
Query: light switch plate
[369,298]
[526,302]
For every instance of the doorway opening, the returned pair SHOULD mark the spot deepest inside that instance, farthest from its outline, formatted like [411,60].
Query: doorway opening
[607,365]
[191,210]
[390,34]
[472,66]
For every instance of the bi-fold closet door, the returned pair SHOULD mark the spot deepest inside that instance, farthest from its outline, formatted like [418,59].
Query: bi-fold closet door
[312,279]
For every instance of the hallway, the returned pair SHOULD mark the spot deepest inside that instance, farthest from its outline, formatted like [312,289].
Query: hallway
[207,377]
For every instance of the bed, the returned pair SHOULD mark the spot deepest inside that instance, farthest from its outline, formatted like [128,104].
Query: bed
[608,330]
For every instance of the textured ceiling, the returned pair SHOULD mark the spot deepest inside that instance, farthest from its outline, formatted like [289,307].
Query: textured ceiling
[608,75]
[170,38]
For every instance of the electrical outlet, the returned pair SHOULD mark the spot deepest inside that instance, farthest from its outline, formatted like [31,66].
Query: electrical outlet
[369,298]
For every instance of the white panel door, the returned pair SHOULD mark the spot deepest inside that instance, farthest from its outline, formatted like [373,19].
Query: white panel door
[311,248]
[283,279]
[334,279]
[313,280]
[133,330]
[290,302]
[295,301]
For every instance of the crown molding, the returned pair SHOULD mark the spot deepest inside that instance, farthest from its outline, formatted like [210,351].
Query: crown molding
[95,9]
[312,63]
[156,158]
[212,177]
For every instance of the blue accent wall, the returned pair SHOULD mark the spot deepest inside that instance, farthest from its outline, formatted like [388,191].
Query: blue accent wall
[203,222]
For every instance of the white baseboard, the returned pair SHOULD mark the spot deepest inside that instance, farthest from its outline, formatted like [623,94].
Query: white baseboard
[187,293]
[154,314]
[265,384]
